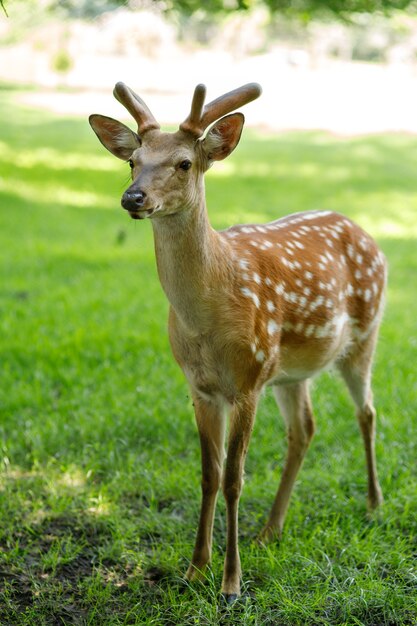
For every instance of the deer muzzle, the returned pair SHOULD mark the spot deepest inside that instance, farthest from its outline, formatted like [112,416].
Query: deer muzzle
[134,201]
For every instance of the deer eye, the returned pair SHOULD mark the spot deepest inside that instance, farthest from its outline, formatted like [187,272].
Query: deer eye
[185,165]
[131,164]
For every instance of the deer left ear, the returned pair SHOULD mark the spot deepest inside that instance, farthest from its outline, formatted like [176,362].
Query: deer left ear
[223,137]
[115,136]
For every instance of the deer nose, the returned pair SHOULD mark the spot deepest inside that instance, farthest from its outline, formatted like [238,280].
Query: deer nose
[133,200]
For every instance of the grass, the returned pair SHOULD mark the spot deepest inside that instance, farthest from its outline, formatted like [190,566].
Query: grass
[99,482]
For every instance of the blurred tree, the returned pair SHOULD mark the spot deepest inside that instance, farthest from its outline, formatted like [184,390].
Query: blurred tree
[305,9]
[338,8]
[85,8]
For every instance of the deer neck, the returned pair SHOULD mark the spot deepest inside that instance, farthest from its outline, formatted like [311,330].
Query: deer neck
[189,256]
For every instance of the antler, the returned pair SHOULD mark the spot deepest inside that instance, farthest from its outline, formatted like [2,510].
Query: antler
[202,116]
[136,107]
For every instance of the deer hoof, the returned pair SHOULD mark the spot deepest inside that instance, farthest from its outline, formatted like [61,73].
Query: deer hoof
[375,500]
[230,598]
[195,574]
[268,535]
[241,598]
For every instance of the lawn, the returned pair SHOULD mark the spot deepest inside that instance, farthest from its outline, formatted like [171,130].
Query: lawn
[99,456]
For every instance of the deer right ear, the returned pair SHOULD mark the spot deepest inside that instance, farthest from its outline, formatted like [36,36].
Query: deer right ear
[223,137]
[115,136]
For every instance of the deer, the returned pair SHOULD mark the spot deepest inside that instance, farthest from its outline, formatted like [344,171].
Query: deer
[251,306]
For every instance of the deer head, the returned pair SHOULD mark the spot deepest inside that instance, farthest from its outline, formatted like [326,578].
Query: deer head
[167,168]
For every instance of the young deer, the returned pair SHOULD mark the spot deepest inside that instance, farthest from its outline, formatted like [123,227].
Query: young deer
[252,305]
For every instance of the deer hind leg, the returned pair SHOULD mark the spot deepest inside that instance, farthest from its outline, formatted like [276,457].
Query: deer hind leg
[355,368]
[241,423]
[210,417]
[295,406]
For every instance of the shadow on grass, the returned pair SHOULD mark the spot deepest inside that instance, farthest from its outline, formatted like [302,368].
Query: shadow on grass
[64,567]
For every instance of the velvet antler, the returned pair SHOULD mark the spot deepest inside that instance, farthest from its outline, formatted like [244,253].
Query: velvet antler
[201,116]
[136,107]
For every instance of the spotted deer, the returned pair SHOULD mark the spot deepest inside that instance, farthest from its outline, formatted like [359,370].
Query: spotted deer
[252,305]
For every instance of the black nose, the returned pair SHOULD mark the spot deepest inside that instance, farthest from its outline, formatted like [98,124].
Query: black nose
[133,200]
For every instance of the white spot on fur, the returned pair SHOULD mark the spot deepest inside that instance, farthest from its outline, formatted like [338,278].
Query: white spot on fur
[323,331]
[339,321]
[291,296]
[248,293]
[363,244]
[270,306]
[319,301]
[309,330]
[299,327]
[272,327]
[260,356]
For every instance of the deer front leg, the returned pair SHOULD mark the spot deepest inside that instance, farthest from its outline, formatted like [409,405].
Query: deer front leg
[211,427]
[241,424]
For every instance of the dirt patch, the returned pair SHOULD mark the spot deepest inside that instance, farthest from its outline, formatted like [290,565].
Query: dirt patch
[55,590]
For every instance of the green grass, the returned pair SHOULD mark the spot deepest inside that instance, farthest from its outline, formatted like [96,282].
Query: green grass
[99,482]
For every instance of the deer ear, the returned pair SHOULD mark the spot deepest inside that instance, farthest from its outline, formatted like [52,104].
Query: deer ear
[223,137]
[115,136]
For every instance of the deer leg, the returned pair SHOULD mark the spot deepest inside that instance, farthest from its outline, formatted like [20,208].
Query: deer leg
[294,403]
[241,424]
[356,371]
[211,427]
